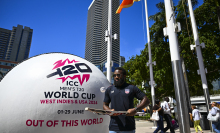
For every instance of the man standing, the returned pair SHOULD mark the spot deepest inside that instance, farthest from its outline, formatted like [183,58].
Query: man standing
[167,115]
[121,96]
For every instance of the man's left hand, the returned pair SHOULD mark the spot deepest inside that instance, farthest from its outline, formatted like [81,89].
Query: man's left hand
[131,112]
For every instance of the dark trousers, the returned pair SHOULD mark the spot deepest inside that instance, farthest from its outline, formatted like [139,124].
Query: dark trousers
[216,126]
[160,125]
[168,119]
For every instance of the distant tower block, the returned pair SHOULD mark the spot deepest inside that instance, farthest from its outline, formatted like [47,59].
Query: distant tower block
[16,43]
[97,24]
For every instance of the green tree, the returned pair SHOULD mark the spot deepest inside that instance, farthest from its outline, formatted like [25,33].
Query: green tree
[206,17]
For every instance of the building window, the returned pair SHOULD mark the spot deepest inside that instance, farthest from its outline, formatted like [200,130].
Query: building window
[3,69]
[3,63]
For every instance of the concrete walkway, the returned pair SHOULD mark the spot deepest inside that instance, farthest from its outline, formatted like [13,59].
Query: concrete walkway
[143,126]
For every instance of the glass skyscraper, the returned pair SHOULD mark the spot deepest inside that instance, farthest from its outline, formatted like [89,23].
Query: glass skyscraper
[97,24]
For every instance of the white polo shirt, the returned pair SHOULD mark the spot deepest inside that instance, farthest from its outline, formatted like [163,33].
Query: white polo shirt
[166,108]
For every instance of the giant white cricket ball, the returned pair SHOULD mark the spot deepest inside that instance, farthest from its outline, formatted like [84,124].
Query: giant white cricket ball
[48,94]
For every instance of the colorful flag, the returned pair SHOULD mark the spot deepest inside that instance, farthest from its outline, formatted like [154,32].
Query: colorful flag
[125,4]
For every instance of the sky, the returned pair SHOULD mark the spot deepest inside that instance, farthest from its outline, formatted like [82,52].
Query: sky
[60,25]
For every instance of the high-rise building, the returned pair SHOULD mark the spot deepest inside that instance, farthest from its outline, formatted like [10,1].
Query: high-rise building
[4,41]
[6,66]
[15,44]
[121,61]
[97,24]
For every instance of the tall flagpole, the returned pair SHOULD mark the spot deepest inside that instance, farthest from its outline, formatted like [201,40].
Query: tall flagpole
[170,31]
[109,38]
[150,60]
[202,71]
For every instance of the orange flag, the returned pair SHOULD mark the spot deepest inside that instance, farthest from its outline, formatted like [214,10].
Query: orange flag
[125,4]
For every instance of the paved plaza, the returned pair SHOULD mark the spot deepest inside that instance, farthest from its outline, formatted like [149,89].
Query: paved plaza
[143,126]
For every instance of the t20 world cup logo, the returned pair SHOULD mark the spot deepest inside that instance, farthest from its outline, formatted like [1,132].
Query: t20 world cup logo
[71,69]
